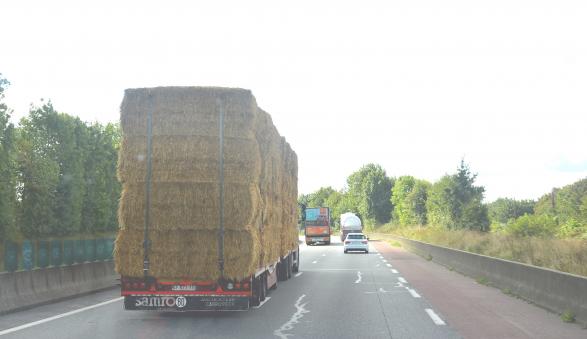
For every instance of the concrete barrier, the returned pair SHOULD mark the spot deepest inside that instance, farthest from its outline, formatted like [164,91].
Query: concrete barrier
[25,289]
[553,290]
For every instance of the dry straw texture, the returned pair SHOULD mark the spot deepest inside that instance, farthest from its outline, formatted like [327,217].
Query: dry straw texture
[260,194]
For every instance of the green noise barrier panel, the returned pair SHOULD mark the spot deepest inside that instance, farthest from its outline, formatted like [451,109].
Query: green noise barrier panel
[27,255]
[56,253]
[90,248]
[43,253]
[79,251]
[10,256]
[68,256]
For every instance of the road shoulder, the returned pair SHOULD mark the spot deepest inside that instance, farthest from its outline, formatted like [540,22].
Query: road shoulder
[475,310]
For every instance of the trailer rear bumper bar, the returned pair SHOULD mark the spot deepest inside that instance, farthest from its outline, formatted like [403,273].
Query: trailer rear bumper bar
[182,303]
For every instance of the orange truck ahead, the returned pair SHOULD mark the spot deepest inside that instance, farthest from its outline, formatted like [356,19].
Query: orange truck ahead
[317,225]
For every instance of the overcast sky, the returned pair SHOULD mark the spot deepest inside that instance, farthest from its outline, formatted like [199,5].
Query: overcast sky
[412,85]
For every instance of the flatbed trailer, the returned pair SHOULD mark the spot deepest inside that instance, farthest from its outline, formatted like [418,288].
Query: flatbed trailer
[149,293]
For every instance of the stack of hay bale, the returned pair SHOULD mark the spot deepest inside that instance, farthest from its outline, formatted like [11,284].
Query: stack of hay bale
[260,183]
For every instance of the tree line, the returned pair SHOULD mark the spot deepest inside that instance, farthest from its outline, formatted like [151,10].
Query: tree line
[453,202]
[57,174]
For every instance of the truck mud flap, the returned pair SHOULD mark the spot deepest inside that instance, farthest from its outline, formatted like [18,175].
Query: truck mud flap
[182,303]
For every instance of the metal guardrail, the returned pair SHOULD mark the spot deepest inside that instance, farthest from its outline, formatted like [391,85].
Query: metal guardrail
[29,254]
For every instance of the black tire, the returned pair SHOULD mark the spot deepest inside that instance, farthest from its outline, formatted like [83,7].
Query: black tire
[296,267]
[274,287]
[327,242]
[255,299]
[366,252]
[289,267]
[282,271]
[263,289]
[345,251]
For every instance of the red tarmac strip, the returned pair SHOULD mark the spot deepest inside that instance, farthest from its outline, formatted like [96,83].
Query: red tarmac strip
[474,310]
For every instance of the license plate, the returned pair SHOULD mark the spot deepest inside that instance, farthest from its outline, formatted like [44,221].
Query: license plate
[190,288]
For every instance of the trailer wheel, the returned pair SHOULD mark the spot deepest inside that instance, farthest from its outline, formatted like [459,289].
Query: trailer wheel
[255,299]
[263,289]
[296,267]
[289,266]
[282,270]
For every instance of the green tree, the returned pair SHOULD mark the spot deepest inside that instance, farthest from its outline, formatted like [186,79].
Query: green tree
[455,202]
[101,186]
[318,198]
[339,203]
[504,209]
[442,202]
[7,168]
[417,202]
[38,179]
[52,151]
[370,188]
[402,211]
[566,203]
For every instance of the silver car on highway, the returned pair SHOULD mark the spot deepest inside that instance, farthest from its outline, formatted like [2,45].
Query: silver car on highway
[356,242]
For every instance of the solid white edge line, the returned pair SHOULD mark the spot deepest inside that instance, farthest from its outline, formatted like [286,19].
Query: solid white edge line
[263,302]
[394,271]
[42,321]
[413,293]
[298,274]
[435,318]
[402,280]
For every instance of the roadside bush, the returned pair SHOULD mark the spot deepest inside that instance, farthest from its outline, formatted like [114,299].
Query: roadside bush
[572,228]
[532,225]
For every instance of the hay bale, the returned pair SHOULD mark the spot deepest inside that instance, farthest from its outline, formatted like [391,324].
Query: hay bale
[188,111]
[188,254]
[189,206]
[189,159]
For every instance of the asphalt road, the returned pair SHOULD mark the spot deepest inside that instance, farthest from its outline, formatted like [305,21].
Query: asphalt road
[335,295]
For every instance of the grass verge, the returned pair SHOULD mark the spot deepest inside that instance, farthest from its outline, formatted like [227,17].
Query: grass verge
[565,255]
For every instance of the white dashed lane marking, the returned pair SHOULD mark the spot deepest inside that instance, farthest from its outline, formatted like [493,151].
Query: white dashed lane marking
[435,318]
[413,293]
[394,271]
[402,280]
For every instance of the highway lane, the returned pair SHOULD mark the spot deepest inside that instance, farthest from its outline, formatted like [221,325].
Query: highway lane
[335,295]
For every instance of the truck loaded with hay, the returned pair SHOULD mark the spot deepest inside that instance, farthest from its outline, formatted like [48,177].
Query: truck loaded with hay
[208,210]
